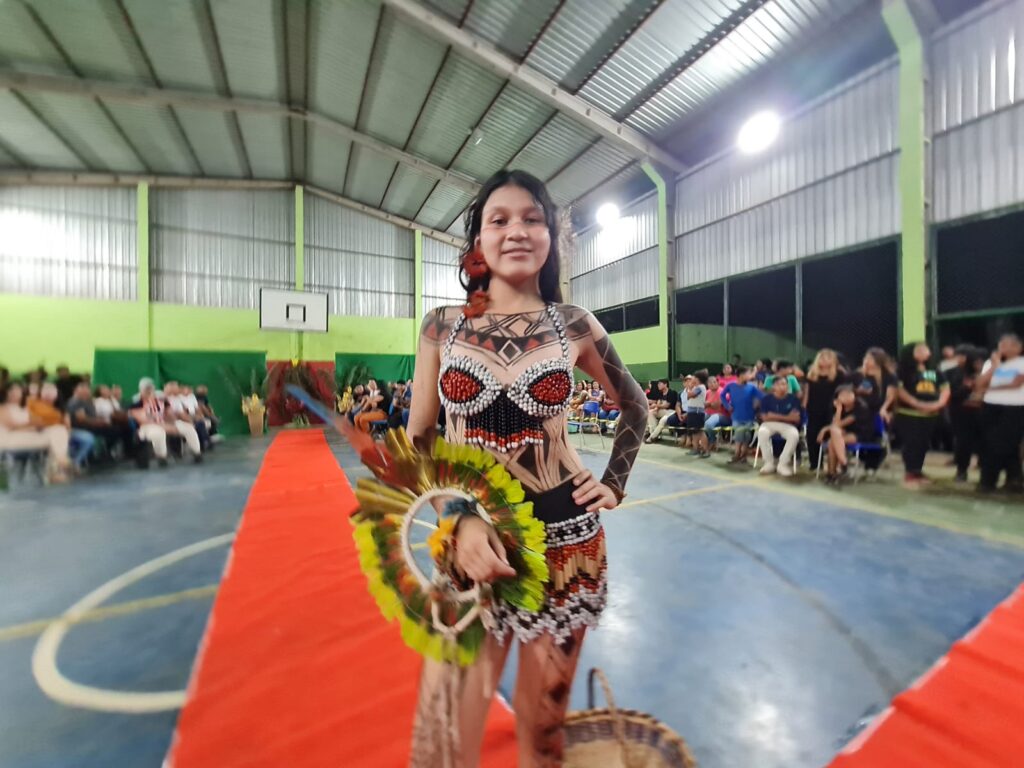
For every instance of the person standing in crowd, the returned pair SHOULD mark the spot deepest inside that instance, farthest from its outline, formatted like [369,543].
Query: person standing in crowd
[741,399]
[923,393]
[823,379]
[876,384]
[965,405]
[1002,381]
[694,415]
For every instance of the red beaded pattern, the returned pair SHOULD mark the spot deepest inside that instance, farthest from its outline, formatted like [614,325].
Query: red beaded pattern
[551,389]
[460,387]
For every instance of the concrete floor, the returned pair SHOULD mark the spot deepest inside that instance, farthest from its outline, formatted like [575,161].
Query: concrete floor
[763,619]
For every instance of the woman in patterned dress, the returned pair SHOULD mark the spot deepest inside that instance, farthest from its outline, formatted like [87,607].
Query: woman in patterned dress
[502,368]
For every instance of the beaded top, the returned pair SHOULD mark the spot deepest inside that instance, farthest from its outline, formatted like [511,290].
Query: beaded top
[504,417]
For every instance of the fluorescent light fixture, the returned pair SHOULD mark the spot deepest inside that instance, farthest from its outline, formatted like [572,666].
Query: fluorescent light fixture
[759,132]
[607,214]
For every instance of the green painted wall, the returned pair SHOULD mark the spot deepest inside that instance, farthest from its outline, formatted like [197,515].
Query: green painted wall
[643,351]
[52,331]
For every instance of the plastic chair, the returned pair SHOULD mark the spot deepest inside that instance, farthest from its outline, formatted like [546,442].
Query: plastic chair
[856,450]
[801,444]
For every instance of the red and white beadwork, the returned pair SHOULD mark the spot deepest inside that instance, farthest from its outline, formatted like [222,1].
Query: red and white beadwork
[505,418]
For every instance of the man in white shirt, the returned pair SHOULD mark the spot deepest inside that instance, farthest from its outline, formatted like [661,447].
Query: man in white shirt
[1002,381]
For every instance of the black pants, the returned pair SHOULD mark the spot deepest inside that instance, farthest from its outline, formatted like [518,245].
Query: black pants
[916,435]
[814,448]
[1003,427]
[966,436]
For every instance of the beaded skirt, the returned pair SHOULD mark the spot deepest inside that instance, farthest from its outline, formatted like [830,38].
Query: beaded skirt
[577,563]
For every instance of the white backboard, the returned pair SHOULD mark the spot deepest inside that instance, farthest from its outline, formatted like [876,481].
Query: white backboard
[293,311]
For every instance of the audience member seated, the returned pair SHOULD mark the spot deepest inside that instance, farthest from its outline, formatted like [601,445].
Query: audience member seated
[185,408]
[579,397]
[66,384]
[661,410]
[727,377]
[398,412]
[202,396]
[786,370]
[19,431]
[780,415]
[609,410]
[852,422]
[373,407]
[45,412]
[824,377]
[715,417]
[156,421]
[86,414]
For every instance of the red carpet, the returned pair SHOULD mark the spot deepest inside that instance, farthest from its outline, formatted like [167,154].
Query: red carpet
[298,668]
[967,711]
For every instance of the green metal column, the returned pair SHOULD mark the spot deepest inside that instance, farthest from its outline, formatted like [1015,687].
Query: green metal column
[912,141]
[300,260]
[417,240]
[663,307]
[142,254]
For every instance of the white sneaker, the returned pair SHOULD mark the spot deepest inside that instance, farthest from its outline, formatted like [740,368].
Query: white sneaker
[786,470]
[768,469]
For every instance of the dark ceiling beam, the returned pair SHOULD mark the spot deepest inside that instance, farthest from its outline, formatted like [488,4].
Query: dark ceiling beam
[72,67]
[631,141]
[126,17]
[362,93]
[199,100]
[46,124]
[296,47]
[712,38]
[208,27]
[611,42]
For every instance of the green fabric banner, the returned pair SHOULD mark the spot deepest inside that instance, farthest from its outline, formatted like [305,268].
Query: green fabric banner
[383,368]
[126,367]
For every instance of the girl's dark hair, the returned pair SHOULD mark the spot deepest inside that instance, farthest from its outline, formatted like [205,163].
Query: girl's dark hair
[906,365]
[550,289]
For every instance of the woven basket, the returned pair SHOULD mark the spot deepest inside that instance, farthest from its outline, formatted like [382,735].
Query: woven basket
[620,738]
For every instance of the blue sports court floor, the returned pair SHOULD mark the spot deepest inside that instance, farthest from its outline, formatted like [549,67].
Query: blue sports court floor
[764,620]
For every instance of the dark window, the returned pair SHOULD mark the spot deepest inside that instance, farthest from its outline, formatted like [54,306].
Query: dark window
[981,265]
[642,314]
[701,306]
[762,315]
[851,302]
[612,319]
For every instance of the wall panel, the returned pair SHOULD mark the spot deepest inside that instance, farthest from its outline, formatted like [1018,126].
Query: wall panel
[217,248]
[68,241]
[364,264]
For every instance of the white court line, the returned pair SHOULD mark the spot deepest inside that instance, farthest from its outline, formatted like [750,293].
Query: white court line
[64,691]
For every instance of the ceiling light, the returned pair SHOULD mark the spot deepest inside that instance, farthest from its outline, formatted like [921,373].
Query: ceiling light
[759,132]
[607,214]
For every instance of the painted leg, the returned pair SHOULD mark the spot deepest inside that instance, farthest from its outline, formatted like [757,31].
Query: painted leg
[546,670]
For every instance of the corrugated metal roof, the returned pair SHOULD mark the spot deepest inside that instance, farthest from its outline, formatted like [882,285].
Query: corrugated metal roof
[362,65]
[85,126]
[458,100]
[511,27]
[248,34]
[26,135]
